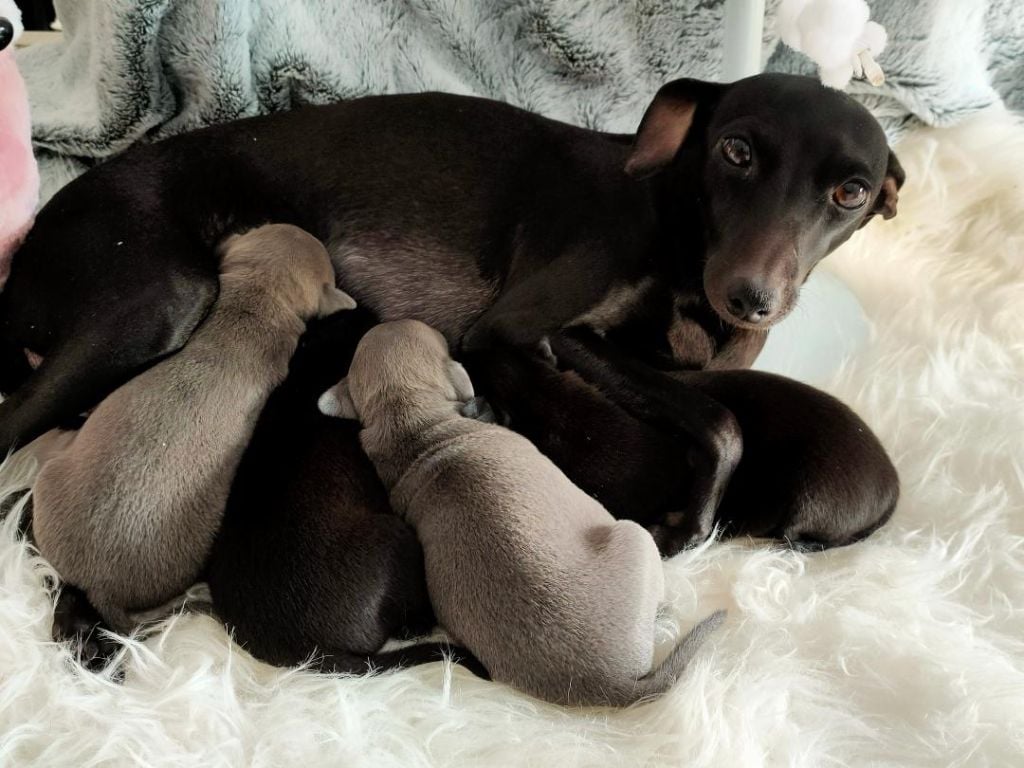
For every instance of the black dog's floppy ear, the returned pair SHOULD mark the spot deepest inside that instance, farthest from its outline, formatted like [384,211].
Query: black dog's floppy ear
[666,124]
[890,193]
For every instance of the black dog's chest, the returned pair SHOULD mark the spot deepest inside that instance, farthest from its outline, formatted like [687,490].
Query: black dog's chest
[405,276]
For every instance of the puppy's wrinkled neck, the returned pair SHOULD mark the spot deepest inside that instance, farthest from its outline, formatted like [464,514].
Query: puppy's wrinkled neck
[399,429]
[263,309]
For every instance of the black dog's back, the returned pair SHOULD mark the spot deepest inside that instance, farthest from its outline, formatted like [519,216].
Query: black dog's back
[310,559]
[120,265]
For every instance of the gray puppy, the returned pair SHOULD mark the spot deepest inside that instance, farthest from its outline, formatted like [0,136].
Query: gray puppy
[532,575]
[128,511]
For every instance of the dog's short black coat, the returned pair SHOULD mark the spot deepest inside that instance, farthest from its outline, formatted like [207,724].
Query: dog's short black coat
[310,561]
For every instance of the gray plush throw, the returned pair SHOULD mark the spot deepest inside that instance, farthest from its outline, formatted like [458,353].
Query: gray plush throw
[128,70]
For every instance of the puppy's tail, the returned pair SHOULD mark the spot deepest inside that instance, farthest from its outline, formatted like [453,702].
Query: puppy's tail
[659,680]
[350,663]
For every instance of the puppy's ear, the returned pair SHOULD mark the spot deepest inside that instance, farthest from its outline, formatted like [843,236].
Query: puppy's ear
[460,380]
[667,122]
[334,300]
[889,195]
[337,402]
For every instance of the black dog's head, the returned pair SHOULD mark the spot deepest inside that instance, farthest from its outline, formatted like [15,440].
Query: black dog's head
[789,169]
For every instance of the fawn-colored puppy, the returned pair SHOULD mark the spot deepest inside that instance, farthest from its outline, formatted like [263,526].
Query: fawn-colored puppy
[128,511]
[533,576]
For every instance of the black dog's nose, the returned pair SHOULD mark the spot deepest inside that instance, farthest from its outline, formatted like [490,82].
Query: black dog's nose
[6,32]
[749,302]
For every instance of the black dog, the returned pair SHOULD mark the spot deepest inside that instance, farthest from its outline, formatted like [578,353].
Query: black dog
[310,558]
[811,472]
[490,223]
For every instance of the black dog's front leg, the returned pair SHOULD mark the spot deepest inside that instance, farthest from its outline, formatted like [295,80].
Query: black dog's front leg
[654,397]
[541,304]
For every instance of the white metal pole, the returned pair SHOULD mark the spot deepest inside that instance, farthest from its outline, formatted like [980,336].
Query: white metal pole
[744,26]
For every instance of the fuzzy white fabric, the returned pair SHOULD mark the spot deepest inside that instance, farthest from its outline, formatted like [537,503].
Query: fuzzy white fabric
[904,650]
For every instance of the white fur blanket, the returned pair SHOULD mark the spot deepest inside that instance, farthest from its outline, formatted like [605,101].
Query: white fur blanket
[904,650]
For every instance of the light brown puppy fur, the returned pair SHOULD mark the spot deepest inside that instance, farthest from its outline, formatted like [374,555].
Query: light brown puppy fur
[129,510]
[552,594]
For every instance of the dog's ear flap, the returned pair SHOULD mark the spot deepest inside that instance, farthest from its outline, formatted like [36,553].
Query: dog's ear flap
[461,381]
[334,300]
[667,122]
[337,402]
[890,193]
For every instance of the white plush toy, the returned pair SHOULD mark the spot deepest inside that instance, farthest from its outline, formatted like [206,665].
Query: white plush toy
[836,35]
[19,177]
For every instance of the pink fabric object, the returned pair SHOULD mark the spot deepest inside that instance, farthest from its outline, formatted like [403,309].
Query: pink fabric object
[19,176]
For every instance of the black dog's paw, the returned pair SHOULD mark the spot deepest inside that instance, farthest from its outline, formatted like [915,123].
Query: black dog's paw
[77,621]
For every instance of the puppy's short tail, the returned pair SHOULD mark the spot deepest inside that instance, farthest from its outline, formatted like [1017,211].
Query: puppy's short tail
[659,680]
[413,655]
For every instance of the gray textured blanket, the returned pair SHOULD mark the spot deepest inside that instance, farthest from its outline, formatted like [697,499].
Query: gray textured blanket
[132,69]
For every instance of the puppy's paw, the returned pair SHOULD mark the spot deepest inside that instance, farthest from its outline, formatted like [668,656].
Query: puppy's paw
[479,409]
[675,534]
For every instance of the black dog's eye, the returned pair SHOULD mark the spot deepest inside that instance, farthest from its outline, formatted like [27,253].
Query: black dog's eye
[737,152]
[850,195]
[6,33]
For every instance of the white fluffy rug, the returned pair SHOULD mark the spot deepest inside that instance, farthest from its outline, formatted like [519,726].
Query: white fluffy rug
[905,650]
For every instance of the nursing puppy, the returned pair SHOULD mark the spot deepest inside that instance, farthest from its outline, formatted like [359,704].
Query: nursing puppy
[811,472]
[310,561]
[535,577]
[127,513]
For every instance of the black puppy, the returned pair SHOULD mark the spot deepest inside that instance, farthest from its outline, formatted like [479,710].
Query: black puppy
[492,224]
[811,472]
[310,560]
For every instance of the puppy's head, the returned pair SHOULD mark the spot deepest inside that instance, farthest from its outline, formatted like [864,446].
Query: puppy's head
[397,364]
[290,264]
[788,170]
